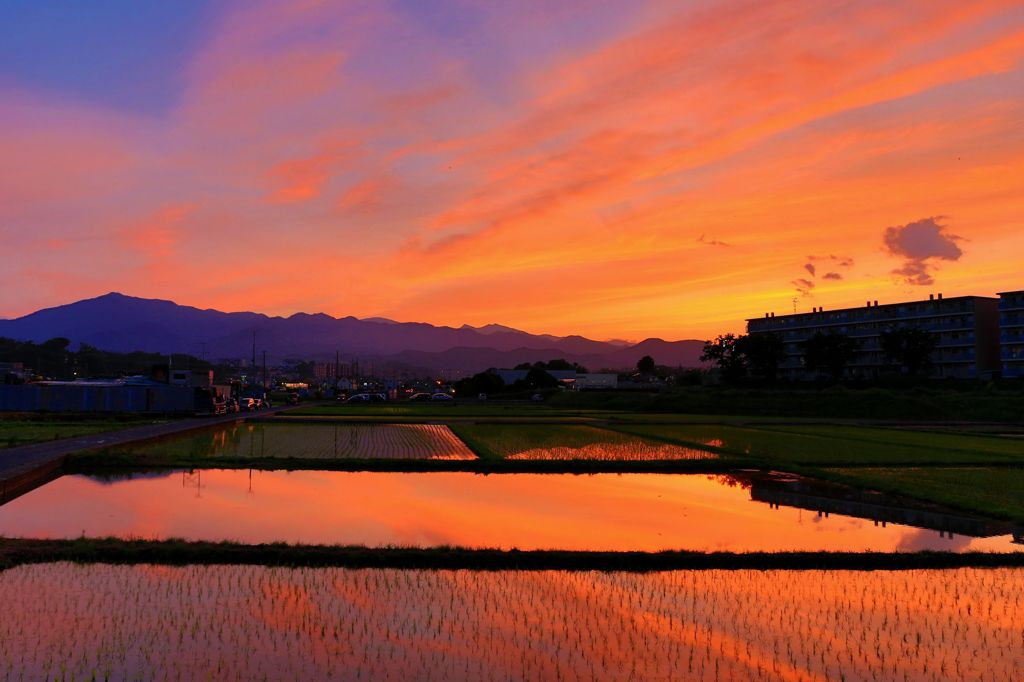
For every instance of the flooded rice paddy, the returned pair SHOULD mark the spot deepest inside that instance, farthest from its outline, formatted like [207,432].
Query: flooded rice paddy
[69,621]
[598,512]
[312,441]
[820,444]
[569,442]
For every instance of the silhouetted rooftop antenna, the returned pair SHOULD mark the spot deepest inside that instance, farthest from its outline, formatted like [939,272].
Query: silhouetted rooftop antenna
[794,305]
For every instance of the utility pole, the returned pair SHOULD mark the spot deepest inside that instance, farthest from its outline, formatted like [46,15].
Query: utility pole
[264,371]
[255,369]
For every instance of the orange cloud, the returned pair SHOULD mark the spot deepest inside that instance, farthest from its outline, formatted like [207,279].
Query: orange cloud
[157,236]
[303,179]
[366,196]
[558,169]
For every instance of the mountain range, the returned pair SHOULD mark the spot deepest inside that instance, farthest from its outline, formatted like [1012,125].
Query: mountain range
[116,322]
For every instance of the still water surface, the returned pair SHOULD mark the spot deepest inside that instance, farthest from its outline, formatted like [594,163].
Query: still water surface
[643,512]
[310,441]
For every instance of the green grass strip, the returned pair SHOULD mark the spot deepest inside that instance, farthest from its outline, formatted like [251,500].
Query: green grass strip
[14,552]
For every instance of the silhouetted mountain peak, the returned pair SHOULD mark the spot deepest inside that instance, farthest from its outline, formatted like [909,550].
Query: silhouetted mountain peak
[118,322]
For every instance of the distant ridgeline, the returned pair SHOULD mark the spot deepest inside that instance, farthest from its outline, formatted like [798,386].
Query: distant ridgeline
[115,322]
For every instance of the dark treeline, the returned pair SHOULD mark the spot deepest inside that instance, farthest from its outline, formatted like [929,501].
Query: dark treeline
[54,359]
[758,357]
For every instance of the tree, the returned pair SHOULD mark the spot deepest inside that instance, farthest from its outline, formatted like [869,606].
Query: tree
[909,347]
[556,364]
[562,364]
[646,365]
[724,354]
[306,369]
[484,382]
[762,354]
[688,376]
[538,378]
[831,352]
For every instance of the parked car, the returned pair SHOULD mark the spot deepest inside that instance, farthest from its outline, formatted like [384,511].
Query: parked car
[378,398]
[359,398]
[482,397]
[293,398]
[419,397]
[537,398]
[441,397]
[248,404]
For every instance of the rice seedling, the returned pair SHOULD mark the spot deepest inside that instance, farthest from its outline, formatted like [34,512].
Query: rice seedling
[571,442]
[308,442]
[837,445]
[67,621]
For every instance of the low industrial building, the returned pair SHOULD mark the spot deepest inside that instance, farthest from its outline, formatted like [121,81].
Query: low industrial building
[122,395]
[966,327]
[590,382]
[1011,333]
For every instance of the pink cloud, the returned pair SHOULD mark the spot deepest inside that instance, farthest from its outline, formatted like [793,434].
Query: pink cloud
[304,178]
[158,235]
[366,196]
[467,167]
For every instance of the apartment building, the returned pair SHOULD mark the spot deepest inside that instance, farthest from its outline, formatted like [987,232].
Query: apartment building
[1011,333]
[967,328]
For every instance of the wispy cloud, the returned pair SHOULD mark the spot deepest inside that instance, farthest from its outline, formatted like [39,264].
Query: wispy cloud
[480,153]
[712,242]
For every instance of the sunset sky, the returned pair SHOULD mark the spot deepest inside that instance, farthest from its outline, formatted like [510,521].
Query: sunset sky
[612,169]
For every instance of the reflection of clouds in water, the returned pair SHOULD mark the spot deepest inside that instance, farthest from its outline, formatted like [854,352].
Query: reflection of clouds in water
[919,539]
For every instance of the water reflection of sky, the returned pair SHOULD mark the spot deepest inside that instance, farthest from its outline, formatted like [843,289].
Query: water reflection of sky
[647,512]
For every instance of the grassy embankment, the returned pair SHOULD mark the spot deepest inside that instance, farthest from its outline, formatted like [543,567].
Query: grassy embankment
[21,429]
[1004,403]
[995,492]
[982,474]
[15,552]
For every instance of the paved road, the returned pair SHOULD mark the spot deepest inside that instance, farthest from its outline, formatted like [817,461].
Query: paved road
[18,461]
